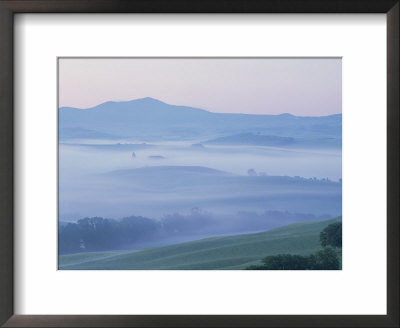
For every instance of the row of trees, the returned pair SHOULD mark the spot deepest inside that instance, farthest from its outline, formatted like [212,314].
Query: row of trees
[326,259]
[100,234]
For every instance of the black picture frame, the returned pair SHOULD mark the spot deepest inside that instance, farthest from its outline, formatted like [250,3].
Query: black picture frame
[10,7]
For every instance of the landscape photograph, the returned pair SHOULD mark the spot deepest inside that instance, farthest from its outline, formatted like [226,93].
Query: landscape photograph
[199,163]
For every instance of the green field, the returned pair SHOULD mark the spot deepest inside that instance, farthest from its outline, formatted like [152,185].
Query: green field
[218,253]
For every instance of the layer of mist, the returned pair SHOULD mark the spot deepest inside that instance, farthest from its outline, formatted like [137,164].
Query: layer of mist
[213,173]
[107,180]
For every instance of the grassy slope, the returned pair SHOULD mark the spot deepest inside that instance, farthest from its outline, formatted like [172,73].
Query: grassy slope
[219,253]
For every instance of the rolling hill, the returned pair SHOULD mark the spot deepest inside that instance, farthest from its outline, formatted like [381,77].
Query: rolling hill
[151,119]
[251,139]
[218,253]
[182,187]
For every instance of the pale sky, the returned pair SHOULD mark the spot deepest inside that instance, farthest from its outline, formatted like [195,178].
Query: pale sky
[302,87]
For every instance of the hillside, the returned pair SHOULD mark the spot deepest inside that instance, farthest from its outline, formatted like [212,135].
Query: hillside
[152,119]
[220,191]
[251,139]
[218,253]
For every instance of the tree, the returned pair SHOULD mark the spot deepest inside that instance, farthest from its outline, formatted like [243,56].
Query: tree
[252,172]
[327,259]
[332,235]
[99,234]
[285,262]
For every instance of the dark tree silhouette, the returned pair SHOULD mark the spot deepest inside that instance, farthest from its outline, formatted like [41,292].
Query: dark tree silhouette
[99,234]
[286,262]
[326,259]
[332,235]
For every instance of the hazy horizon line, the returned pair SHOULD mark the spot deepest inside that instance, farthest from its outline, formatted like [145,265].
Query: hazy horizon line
[188,106]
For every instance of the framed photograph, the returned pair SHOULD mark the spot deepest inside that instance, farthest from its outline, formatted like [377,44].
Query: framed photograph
[199,164]
[148,184]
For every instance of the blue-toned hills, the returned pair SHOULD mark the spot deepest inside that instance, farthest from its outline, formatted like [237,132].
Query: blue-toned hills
[252,139]
[184,187]
[151,119]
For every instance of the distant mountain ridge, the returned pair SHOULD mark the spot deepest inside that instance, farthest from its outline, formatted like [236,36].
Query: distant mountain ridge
[151,119]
